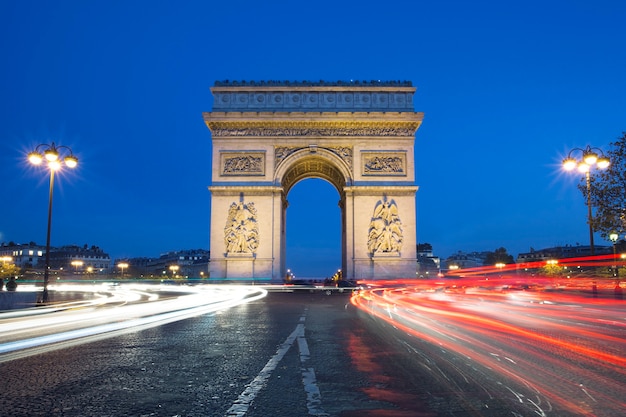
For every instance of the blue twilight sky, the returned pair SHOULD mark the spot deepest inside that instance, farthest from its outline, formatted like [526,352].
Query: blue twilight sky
[507,88]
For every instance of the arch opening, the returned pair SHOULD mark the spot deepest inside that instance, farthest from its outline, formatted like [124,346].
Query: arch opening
[313,229]
[326,168]
[313,166]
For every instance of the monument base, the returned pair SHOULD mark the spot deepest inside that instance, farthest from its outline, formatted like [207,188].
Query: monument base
[385,267]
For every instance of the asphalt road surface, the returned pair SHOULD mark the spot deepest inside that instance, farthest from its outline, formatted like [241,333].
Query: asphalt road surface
[288,354]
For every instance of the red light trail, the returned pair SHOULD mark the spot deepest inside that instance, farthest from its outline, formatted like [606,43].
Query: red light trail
[547,345]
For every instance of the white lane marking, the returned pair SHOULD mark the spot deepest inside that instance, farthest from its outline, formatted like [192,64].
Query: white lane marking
[314,399]
[313,396]
[241,405]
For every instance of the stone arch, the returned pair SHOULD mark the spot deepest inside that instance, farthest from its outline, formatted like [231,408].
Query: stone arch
[269,135]
[320,163]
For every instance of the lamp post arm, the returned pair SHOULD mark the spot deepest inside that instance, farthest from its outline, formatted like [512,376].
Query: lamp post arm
[585,151]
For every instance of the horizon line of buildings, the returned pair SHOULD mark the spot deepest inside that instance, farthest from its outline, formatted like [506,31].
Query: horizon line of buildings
[74,259]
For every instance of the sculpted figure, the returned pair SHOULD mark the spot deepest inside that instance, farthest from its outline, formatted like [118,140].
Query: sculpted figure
[385,232]
[241,233]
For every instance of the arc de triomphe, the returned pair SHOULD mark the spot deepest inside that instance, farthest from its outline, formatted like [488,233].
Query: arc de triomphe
[268,135]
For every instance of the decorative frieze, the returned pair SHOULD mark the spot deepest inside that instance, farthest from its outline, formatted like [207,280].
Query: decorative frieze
[383,163]
[319,129]
[244,163]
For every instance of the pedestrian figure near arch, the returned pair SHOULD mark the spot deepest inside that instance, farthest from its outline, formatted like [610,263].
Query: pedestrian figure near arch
[269,135]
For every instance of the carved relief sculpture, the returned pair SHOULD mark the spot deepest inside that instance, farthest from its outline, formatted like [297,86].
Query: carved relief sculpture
[344,153]
[385,232]
[239,163]
[241,234]
[396,130]
[384,163]
[282,152]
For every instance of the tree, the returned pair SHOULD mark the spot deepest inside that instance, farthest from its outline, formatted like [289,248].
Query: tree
[424,247]
[500,255]
[608,191]
[9,270]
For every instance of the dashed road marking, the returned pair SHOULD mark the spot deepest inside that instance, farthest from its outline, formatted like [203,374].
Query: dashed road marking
[314,399]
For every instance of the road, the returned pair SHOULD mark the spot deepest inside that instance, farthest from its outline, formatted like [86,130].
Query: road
[497,347]
[389,352]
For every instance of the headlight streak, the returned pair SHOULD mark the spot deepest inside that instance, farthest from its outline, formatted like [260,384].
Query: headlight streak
[555,345]
[95,324]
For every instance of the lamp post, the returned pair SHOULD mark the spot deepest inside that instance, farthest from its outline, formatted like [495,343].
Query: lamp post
[613,236]
[122,266]
[174,269]
[54,156]
[76,264]
[588,159]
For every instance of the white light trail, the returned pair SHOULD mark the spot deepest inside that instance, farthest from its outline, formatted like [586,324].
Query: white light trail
[90,323]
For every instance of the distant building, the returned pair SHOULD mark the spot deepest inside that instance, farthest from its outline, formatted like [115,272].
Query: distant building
[462,260]
[428,265]
[192,263]
[28,255]
[80,259]
[72,258]
[560,252]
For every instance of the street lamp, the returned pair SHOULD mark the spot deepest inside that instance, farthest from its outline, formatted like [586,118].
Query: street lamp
[121,266]
[54,156]
[174,269]
[589,159]
[76,264]
[613,236]
[500,266]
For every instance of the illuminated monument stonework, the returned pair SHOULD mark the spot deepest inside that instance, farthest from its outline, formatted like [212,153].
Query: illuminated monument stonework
[269,135]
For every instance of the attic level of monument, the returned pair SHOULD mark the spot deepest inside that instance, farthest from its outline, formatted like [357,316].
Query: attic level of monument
[269,135]
[322,97]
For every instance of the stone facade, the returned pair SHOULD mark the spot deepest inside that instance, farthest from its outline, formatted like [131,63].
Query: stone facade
[267,136]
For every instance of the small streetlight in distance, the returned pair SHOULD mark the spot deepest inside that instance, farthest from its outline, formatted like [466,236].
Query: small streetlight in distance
[6,259]
[122,266]
[613,236]
[76,264]
[589,159]
[52,155]
[174,269]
